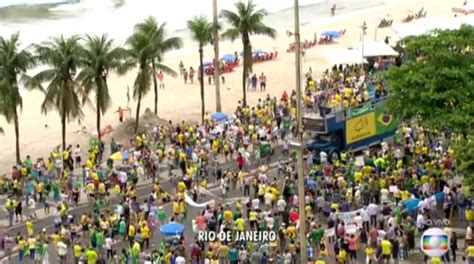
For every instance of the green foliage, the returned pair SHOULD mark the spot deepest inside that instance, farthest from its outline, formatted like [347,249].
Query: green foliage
[146,48]
[99,58]
[63,57]
[201,29]
[245,21]
[157,45]
[438,87]
[464,154]
[14,62]
[202,32]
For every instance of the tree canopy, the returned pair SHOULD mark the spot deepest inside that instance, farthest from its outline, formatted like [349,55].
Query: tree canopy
[437,86]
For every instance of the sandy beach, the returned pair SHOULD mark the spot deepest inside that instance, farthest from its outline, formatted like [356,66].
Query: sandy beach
[182,102]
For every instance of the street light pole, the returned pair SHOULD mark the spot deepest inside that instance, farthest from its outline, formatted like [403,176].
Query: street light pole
[299,164]
[216,56]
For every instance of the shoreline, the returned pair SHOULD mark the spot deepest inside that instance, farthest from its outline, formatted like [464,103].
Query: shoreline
[181,102]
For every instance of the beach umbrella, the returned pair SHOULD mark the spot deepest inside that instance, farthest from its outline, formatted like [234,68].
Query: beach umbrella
[120,155]
[219,116]
[229,57]
[207,63]
[172,229]
[331,33]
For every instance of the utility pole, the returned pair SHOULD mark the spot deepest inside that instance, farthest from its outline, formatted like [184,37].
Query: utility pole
[216,56]
[299,115]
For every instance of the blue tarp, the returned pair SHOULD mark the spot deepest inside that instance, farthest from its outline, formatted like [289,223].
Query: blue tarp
[172,229]
[219,116]
[331,33]
[229,57]
[411,204]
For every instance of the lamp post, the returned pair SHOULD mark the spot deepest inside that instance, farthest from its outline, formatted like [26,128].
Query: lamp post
[364,29]
[216,56]
[299,164]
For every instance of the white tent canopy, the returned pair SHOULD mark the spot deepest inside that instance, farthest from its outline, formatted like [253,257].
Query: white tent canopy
[343,56]
[374,49]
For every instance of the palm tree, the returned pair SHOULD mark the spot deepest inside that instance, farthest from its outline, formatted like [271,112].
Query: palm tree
[99,58]
[201,30]
[14,62]
[139,54]
[159,46]
[246,21]
[62,56]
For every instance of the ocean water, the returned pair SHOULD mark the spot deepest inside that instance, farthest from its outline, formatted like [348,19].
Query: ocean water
[117,17]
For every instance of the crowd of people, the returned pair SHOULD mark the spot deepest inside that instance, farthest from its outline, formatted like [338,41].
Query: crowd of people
[341,87]
[354,209]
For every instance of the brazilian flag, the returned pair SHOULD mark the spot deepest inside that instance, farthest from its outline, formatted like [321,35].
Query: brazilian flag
[384,121]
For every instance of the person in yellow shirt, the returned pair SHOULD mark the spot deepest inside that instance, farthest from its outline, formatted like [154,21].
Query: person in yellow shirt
[239,224]
[77,249]
[182,208]
[131,232]
[228,216]
[291,231]
[145,235]
[342,256]
[370,254]
[29,227]
[386,246]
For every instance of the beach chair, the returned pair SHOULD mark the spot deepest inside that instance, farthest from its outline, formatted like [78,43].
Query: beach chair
[270,56]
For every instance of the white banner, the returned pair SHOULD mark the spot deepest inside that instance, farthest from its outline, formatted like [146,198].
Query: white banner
[192,203]
[348,217]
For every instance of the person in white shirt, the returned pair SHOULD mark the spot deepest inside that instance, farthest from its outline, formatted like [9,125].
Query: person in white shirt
[281,205]
[62,251]
[108,246]
[372,210]
[384,195]
[255,204]
[323,157]
[77,156]
[268,198]
[420,222]
[358,221]
[180,260]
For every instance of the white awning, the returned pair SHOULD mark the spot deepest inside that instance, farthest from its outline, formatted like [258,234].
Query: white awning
[343,56]
[374,49]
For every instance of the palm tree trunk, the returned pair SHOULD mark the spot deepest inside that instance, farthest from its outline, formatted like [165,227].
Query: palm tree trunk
[155,86]
[137,115]
[216,56]
[201,80]
[244,85]
[98,123]
[247,66]
[99,87]
[17,136]
[63,131]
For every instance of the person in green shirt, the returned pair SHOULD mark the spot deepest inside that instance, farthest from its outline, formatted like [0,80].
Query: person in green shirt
[99,239]
[161,215]
[91,256]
